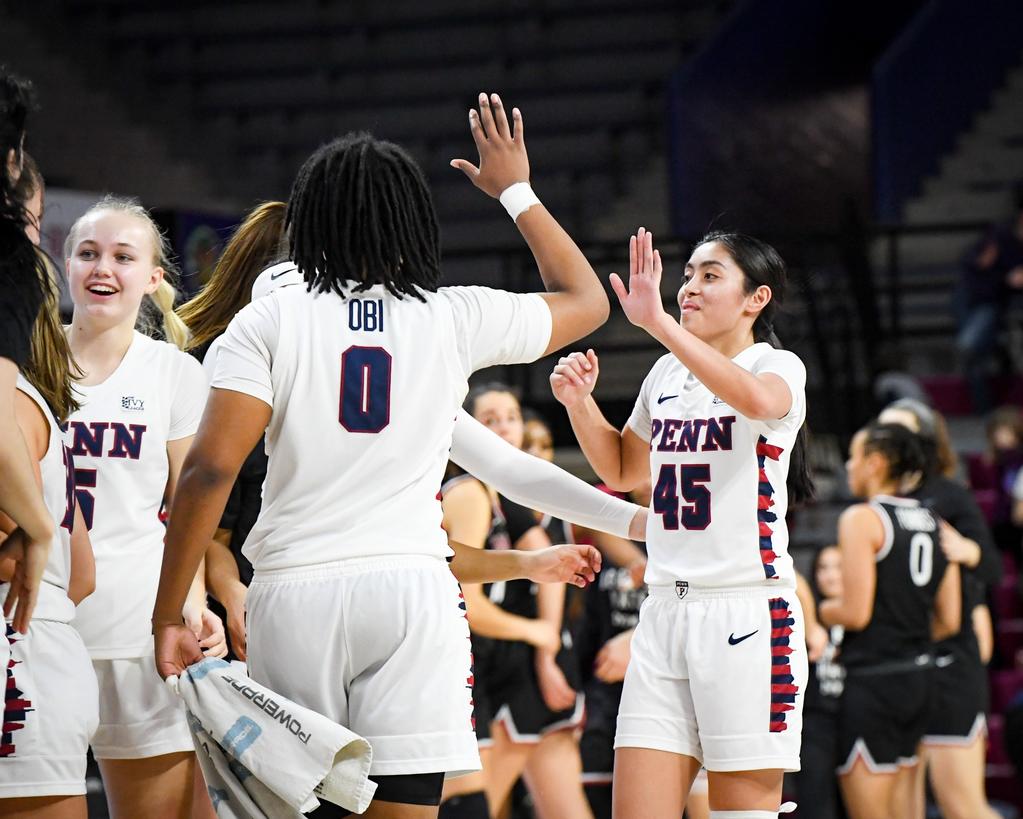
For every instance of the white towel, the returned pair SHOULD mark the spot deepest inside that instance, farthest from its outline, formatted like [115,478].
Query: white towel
[265,756]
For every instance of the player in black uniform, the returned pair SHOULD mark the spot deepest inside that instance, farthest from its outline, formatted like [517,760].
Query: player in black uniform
[954,745]
[899,592]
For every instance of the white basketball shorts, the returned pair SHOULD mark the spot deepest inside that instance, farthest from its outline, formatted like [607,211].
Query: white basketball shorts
[50,712]
[139,715]
[379,645]
[718,675]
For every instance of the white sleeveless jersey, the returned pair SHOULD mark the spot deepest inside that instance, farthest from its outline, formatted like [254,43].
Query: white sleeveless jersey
[55,468]
[364,392]
[119,442]
[719,493]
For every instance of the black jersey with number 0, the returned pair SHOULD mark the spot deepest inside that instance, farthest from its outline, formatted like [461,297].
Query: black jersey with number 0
[910,566]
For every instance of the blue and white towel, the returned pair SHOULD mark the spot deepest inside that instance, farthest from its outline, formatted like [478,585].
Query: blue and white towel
[265,756]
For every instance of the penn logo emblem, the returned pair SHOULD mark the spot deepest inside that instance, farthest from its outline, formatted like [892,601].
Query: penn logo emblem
[681,588]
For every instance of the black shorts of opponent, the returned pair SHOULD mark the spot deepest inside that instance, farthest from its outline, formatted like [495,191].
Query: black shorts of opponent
[406,789]
[884,713]
[512,691]
[597,744]
[959,701]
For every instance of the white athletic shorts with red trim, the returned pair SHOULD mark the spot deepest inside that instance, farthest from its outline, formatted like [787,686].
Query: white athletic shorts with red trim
[379,645]
[139,715]
[50,712]
[718,675]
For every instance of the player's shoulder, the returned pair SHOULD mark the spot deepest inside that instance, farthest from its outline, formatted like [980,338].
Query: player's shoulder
[154,355]
[763,353]
[667,366]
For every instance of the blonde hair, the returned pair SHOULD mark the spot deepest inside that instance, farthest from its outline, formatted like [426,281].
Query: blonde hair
[256,244]
[159,307]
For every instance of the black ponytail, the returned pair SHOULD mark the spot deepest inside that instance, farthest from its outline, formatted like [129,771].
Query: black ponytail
[901,448]
[762,265]
[23,273]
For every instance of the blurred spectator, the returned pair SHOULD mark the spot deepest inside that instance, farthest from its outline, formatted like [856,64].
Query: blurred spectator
[992,269]
[996,472]
[894,380]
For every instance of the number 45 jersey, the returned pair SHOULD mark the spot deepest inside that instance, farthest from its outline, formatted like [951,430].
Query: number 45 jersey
[364,392]
[719,479]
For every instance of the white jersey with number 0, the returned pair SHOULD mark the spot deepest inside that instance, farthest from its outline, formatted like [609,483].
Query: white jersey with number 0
[719,479]
[364,392]
[119,442]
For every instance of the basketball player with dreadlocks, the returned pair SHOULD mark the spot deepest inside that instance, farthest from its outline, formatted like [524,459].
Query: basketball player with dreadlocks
[357,379]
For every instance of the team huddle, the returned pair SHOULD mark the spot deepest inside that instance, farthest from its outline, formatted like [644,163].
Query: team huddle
[325,344]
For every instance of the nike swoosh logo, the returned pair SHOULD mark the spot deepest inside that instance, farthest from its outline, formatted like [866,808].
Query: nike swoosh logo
[734,641]
[664,398]
[276,276]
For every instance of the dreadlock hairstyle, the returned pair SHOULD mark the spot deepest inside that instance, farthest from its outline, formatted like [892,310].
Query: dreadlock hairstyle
[361,214]
[158,309]
[255,245]
[50,368]
[761,265]
[902,450]
[23,274]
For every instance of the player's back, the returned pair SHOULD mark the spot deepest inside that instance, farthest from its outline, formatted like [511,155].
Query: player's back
[910,567]
[364,391]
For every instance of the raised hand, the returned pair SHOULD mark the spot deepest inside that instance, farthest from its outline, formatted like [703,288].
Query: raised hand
[641,300]
[574,377]
[568,563]
[502,149]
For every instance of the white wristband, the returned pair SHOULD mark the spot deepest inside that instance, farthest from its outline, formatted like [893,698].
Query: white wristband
[518,198]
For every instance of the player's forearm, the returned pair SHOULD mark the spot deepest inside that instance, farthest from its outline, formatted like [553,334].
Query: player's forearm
[535,483]
[600,442]
[471,565]
[20,496]
[196,597]
[222,577]
[806,601]
[838,612]
[567,275]
[487,619]
[737,387]
[198,504]
[550,603]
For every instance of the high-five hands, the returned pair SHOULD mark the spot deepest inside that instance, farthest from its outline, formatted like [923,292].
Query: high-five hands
[641,300]
[503,159]
[574,377]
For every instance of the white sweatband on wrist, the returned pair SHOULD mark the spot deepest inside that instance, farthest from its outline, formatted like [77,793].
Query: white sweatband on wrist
[517,199]
[534,482]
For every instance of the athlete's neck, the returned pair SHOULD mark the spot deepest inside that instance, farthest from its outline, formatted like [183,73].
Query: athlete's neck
[732,343]
[885,487]
[98,350]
